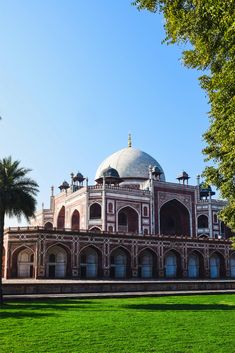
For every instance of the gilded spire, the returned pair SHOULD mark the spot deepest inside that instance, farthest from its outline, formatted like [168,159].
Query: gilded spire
[129,140]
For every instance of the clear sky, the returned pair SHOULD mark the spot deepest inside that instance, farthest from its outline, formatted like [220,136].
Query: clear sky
[77,76]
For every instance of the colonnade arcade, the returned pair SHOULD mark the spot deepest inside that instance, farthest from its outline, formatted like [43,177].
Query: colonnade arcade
[90,262]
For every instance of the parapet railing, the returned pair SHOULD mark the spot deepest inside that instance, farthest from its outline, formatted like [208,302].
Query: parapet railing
[118,188]
[32,229]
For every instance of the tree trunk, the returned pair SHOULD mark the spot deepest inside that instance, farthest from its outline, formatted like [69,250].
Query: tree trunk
[2,214]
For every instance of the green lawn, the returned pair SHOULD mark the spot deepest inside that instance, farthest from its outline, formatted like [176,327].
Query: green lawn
[163,324]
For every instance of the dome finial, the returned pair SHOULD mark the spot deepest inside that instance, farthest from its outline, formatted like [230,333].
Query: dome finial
[129,140]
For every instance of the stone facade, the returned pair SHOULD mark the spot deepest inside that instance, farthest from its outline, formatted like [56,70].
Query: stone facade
[133,226]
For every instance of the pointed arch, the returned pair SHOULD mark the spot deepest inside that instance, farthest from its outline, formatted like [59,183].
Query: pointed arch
[128,220]
[61,218]
[217,265]
[56,261]
[25,263]
[174,218]
[202,221]
[120,263]
[172,264]
[90,260]
[48,225]
[14,258]
[147,263]
[195,264]
[95,211]
[75,220]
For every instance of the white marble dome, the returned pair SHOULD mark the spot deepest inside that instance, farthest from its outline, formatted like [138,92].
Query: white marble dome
[130,163]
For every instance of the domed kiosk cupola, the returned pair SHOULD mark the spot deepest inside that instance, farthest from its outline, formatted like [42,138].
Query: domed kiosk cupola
[184,177]
[156,172]
[110,175]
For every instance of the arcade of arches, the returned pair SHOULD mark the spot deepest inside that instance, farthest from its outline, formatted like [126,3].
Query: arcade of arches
[90,260]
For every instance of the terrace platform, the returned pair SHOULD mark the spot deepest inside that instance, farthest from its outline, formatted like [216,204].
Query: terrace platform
[110,288]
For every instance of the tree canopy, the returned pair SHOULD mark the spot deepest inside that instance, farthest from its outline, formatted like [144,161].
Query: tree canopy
[17,197]
[209,27]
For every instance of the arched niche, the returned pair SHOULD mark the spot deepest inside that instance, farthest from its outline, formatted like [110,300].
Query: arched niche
[61,218]
[56,261]
[90,263]
[174,219]
[25,263]
[128,220]
[195,265]
[120,263]
[147,264]
[202,221]
[95,211]
[172,264]
[217,265]
[48,225]
[75,220]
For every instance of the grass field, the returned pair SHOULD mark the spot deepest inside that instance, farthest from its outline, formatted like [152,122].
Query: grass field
[163,324]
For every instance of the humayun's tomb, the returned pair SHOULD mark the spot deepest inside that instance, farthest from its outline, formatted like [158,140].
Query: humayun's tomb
[131,224]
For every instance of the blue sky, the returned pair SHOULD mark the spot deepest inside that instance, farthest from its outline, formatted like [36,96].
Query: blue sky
[77,76]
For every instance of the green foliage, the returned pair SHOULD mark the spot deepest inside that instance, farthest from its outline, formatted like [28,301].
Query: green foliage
[17,196]
[189,324]
[17,191]
[209,26]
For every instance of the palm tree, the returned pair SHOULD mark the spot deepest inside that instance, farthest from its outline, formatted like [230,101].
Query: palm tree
[17,197]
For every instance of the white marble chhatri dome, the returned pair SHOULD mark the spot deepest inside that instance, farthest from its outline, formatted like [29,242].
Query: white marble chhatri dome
[130,163]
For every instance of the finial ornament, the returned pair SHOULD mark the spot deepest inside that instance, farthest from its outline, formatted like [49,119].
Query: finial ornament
[129,140]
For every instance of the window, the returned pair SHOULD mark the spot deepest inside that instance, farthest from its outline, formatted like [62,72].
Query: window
[110,207]
[145,211]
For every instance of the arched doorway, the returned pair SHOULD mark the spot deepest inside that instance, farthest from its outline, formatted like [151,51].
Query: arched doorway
[202,221]
[25,264]
[174,219]
[195,265]
[95,211]
[172,264]
[90,263]
[48,225]
[61,218]
[232,266]
[56,262]
[147,264]
[128,220]
[75,220]
[120,263]
[217,265]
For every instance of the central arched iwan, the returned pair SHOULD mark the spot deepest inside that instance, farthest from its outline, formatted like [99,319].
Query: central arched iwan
[174,219]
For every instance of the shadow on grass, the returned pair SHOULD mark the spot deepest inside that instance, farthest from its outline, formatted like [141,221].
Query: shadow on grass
[182,307]
[23,315]
[55,304]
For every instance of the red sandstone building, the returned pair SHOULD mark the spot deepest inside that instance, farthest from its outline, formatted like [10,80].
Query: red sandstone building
[131,224]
